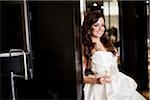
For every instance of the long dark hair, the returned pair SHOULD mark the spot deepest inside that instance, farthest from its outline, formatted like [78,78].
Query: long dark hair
[86,30]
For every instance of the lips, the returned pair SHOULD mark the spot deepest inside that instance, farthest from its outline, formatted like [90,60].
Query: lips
[99,32]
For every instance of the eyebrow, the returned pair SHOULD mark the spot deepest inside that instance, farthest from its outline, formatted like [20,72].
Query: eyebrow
[99,24]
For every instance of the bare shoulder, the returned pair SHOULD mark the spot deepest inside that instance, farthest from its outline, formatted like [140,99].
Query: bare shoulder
[93,51]
[117,53]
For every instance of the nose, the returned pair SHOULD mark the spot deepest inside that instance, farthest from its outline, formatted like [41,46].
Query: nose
[101,28]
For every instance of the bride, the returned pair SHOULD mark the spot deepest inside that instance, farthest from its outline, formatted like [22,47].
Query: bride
[103,80]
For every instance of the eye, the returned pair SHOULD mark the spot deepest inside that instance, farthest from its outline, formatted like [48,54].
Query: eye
[103,25]
[96,25]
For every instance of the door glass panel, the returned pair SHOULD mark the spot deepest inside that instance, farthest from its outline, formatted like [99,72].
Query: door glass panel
[12,31]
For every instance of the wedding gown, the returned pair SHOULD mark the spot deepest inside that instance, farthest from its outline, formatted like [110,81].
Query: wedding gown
[122,87]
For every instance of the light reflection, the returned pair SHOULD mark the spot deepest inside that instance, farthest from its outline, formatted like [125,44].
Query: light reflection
[95,4]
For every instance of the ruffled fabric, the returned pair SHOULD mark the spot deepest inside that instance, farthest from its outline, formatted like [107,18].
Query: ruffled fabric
[122,86]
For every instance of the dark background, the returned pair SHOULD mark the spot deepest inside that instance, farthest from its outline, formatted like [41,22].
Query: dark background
[56,48]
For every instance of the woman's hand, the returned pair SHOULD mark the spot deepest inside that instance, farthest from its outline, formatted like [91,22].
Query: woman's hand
[92,79]
[104,79]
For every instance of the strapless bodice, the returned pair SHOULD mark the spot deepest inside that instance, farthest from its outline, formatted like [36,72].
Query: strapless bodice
[104,62]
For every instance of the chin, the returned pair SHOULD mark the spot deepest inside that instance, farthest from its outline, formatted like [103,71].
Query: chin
[100,35]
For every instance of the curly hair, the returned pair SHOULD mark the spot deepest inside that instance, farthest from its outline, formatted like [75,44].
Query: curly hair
[86,30]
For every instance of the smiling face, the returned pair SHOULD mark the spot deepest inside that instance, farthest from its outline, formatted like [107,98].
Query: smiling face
[98,28]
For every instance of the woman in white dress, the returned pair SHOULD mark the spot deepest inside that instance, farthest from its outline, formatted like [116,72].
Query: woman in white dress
[103,80]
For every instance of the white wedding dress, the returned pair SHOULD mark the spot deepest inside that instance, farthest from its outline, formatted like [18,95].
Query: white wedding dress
[122,87]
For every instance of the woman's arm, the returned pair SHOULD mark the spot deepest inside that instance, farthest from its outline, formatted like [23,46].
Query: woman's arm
[90,79]
[93,80]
